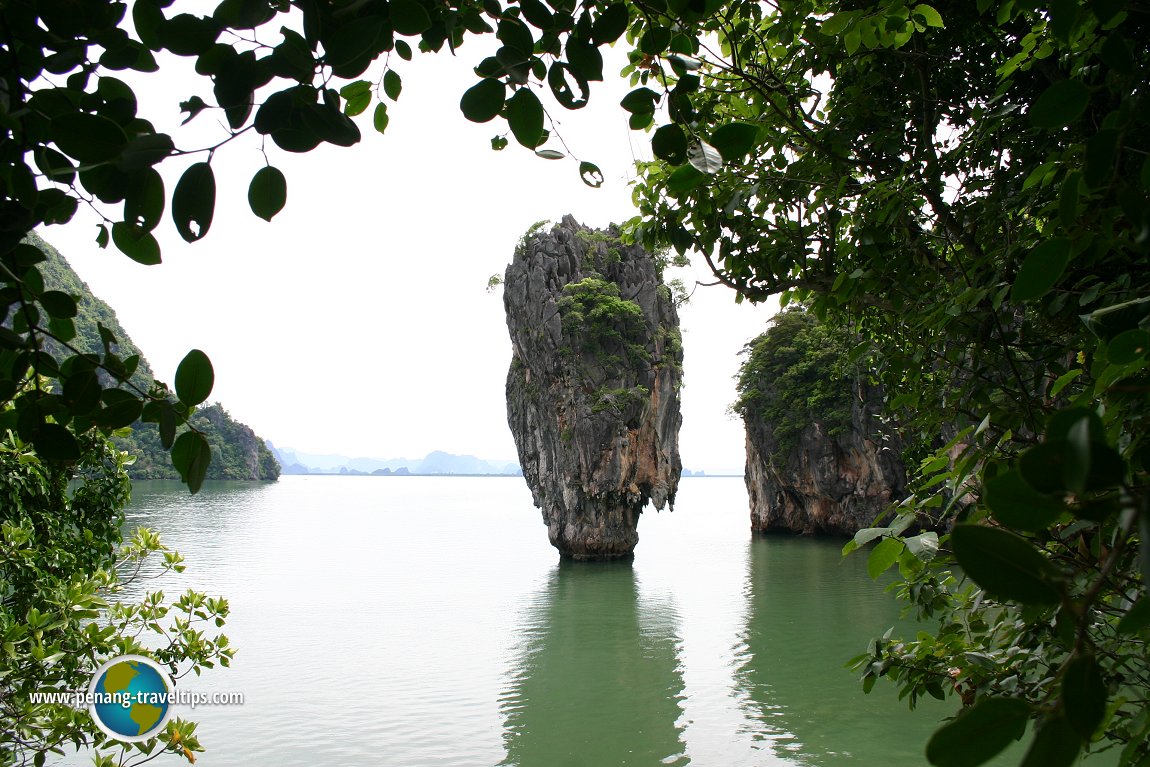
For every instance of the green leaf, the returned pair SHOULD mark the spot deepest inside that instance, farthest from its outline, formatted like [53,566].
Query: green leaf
[591,175]
[409,17]
[144,201]
[525,117]
[1041,269]
[55,443]
[563,89]
[59,304]
[267,193]
[536,14]
[1115,52]
[136,243]
[837,23]
[194,202]
[1006,566]
[1054,745]
[357,104]
[924,545]
[683,180]
[191,455]
[380,118]
[392,84]
[194,378]
[88,138]
[1063,381]
[1060,104]
[1017,505]
[1068,199]
[1084,695]
[882,556]
[145,151]
[670,144]
[929,15]
[1128,346]
[610,24]
[120,409]
[550,154]
[734,140]
[976,735]
[655,40]
[851,40]
[351,90]
[1136,618]
[704,157]
[483,101]
[640,100]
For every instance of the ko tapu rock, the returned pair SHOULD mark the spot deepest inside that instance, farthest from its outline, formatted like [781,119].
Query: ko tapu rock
[593,389]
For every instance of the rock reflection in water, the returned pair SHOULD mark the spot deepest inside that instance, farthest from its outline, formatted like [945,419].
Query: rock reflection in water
[596,677]
[809,611]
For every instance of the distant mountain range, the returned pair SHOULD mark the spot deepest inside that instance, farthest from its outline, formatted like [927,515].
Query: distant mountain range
[295,461]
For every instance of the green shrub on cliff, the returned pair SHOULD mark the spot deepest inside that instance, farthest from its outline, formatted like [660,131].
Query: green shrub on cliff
[794,375]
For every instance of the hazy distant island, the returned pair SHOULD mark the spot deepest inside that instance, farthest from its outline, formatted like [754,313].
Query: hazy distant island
[293,461]
[438,462]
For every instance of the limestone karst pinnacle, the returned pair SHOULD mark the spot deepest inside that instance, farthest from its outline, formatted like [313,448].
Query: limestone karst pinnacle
[593,388]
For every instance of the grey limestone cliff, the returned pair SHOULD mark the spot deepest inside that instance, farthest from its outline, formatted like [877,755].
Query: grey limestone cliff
[823,484]
[593,388]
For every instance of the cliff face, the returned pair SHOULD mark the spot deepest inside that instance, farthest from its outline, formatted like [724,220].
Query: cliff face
[593,388]
[237,453]
[822,484]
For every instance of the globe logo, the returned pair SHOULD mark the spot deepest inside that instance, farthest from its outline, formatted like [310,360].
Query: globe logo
[130,698]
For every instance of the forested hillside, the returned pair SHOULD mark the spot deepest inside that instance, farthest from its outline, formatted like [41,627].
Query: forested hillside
[237,452]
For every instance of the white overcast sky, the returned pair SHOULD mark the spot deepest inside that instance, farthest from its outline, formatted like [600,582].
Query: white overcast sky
[358,320]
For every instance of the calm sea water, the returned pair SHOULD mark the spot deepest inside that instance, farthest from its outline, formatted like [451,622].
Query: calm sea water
[415,621]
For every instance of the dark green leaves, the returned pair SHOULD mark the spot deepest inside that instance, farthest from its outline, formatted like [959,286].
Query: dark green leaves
[670,144]
[734,140]
[267,193]
[1016,504]
[1054,745]
[88,138]
[54,442]
[1060,104]
[392,84]
[136,243]
[409,17]
[194,378]
[58,304]
[1041,269]
[525,117]
[1128,346]
[194,202]
[563,83]
[978,733]
[591,175]
[640,100]
[1005,565]
[483,101]
[1084,695]
[191,455]
[610,24]
[145,151]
